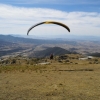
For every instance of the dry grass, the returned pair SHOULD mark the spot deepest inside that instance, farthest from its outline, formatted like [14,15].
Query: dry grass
[57,81]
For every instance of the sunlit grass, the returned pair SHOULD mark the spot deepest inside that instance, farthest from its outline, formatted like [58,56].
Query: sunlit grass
[27,79]
[71,63]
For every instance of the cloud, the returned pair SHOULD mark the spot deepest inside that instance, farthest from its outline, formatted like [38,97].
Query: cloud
[17,20]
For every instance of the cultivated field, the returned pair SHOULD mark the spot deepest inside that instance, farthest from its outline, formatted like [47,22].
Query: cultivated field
[73,79]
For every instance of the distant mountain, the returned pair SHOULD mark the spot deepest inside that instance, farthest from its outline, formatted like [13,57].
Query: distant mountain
[55,50]
[11,44]
[9,38]
[62,37]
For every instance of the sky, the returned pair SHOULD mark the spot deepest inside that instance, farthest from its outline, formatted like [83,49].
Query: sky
[82,17]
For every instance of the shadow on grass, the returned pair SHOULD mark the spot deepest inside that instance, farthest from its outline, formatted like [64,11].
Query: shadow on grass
[69,70]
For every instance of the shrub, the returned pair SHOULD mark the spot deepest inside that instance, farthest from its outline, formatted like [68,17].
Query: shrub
[13,61]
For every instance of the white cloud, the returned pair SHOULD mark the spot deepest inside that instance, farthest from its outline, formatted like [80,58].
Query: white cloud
[17,20]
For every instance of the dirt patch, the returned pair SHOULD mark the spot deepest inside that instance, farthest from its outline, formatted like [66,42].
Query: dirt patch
[52,82]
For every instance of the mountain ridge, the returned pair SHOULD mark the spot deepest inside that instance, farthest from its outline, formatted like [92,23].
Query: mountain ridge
[54,50]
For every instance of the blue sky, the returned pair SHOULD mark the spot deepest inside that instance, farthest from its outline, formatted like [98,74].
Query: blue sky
[82,16]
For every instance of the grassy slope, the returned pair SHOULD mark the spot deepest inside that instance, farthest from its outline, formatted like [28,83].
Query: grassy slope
[56,81]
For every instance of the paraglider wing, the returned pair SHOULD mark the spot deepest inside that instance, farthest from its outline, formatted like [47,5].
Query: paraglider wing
[49,22]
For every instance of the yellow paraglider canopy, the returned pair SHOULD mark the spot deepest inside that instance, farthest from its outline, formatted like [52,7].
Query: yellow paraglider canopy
[49,22]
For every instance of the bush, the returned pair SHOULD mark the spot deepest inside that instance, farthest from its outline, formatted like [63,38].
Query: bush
[96,60]
[90,62]
[13,61]
[67,60]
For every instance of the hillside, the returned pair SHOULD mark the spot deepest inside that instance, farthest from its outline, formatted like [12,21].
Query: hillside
[9,38]
[55,50]
[44,79]
[6,43]
[10,45]
[94,54]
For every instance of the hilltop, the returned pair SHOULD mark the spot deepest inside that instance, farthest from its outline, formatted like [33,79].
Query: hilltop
[55,50]
[64,77]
